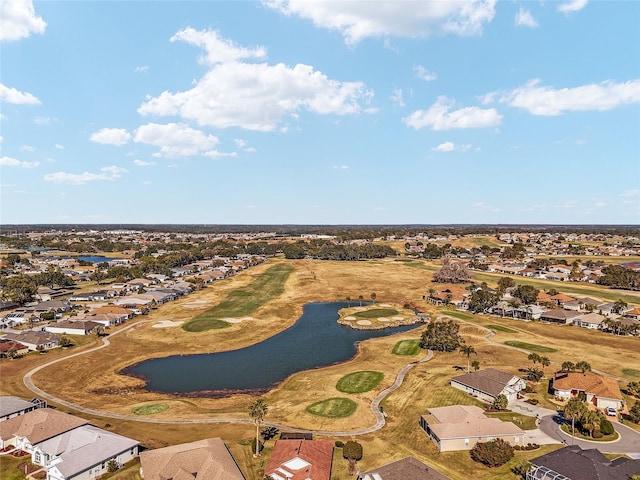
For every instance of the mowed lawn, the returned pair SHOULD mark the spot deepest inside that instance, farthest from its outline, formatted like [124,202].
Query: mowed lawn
[333,408]
[243,301]
[359,382]
[376,313]
[407,347]
[530,346]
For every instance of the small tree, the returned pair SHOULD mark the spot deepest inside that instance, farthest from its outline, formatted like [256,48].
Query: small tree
[360,299]
[583,366]
[574,409]
[475,365]
[112,465]
[492,454]
[634,413]
[500,402]
[257,412]
[353,452]
[467,350]
[373,297]
[545,362]
[568,366]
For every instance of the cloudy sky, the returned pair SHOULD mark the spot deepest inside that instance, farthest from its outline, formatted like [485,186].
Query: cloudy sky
[320,112]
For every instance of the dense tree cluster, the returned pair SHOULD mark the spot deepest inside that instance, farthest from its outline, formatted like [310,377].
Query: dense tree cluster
[441,336]
[527,294]
[21,288]
[332,251]
[452,272]
[492,454]
[619,277]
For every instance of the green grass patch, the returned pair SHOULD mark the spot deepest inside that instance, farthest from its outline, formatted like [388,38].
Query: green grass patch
[9,467]
[523,421]
[202,323]
[242,301]
[460,315]
[530,346]
[333,408]
[500,328]
[151,409]
[566,428]
[632,372]
[358,382]
[406,347]
[376,313]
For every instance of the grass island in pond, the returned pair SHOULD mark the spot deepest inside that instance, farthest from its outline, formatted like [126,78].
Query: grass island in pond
[375,317]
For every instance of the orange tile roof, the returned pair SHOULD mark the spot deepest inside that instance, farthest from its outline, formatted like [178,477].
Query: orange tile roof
[588,382]
[301,459]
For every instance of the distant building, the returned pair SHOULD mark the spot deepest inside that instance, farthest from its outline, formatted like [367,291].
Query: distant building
[11,406]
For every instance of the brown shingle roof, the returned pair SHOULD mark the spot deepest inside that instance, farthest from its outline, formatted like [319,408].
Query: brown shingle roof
[406,469]
[490,381]
[206,459]
[39,425]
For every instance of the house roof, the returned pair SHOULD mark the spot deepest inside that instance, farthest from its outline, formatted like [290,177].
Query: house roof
[76,324]
[408,468]
[489,381]
[459,421]
[39,425]
[588,382]
[594,318]
[10,404]
[112,309]
[301,460]
[560,314]
[6,345]
[34,338]
[561,297]
[207,459]
[578,464]
[83,447]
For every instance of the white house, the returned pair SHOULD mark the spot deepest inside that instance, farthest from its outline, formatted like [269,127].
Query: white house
[488,384]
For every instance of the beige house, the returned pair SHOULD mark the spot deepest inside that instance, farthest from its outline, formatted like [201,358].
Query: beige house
[460,427]
[602,392]
[207,459]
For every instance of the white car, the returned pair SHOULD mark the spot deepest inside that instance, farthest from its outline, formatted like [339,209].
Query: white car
[612,412]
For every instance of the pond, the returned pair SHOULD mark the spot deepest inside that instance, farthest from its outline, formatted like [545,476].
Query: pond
[315,340]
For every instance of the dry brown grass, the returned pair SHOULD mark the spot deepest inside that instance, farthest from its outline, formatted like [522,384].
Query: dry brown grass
[426,385]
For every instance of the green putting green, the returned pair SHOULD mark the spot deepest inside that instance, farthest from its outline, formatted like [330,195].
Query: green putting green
[333,408]
[358,382]
[530,346]
[406,347]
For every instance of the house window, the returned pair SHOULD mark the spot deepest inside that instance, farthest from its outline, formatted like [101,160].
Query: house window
[36,457]
[466,442]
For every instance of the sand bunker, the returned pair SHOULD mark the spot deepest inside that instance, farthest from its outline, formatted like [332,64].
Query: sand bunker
[237,320]
[196,304]
[398,317]
[350,318]
[383,319]
[166,324]
[364,322]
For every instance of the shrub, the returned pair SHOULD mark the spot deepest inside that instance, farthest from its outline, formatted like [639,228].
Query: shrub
[597,434]
[339,444]
[634,413]
[492,454]
[606,427]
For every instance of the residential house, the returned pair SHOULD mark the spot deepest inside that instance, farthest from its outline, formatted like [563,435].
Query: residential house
[301,460]
[573,463]
[11,406]
[8,346]
[600,391]
[124,313]
[205,459]
[633,314]
[36,426]
[560,316]
[94,296]
[33,339]
[487,384]
[560,298]
[408,468]
[83,453]
[74,327]
[591,320]
[460,427]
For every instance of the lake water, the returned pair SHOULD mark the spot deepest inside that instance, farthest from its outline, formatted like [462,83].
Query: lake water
[315,340]
[96,258]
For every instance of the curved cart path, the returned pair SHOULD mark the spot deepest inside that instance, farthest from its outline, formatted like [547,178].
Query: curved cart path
[375,404]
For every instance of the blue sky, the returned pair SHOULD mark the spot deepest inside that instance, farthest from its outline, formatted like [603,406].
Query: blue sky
[320,112]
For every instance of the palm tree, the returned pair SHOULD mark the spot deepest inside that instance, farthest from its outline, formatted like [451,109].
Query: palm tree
[476,365]
[467,350]
[534,357]
[373,297]
[545,362]
[574,409]
[257,411]
[348,301]
[590,421]
[584,366]
[360,297]
[568,366]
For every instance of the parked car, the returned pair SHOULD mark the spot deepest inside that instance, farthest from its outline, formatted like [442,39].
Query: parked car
[612,412]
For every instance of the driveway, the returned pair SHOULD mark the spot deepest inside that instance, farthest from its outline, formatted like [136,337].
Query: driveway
[628,441]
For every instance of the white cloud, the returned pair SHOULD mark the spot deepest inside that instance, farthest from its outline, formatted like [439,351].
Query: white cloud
[450,147]
[27,148]
[439,117]
[572,6]
[253,96]
[1,139]
[341,167]
[539,100]
[142,163]
[18,20]
[12,162]
[141,69]
[397,97]
[524,18]
[59,147]
[242,145]
[12,95]
[44,120]
[111,136]
[631,193]
[176,140]
[359,20]
[218,50]
[423,74]
[106,174]
[482,206]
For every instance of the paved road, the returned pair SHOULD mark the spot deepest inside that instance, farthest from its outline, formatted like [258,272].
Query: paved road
[375,405]
[628,441]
